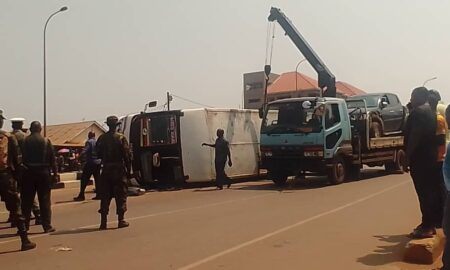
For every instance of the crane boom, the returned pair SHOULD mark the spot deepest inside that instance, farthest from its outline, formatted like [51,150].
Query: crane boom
[327,81]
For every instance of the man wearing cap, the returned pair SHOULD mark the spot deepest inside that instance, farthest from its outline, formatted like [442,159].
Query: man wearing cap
[38,161]
[113,150]
[17,126]
[9,162]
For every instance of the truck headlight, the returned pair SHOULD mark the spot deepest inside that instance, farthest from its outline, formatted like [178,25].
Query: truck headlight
[313,154]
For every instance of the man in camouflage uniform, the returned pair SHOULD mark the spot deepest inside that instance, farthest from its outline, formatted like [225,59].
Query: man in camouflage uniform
[9,162]
[17,126]
[38,161]
[113,150]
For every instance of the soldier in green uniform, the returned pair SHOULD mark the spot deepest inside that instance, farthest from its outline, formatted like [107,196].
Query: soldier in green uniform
[38,162]
[17,126]
[113,149]
[9,162]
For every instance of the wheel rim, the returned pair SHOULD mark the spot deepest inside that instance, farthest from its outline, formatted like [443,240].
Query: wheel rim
[340,171]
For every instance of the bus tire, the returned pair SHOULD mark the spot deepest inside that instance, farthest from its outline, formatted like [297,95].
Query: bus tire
[280,179]
[338,172]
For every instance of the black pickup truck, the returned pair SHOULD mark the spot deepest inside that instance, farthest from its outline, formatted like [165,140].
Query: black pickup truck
[387,114]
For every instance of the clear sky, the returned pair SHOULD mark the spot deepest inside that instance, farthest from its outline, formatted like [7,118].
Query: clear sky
[111,56]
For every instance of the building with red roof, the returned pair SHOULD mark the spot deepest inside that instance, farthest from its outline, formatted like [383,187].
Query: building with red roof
[287,85]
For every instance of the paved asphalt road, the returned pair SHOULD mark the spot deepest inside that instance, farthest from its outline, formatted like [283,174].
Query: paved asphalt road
[253,225]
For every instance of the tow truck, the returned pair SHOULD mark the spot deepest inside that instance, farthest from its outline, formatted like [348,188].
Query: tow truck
[321,135]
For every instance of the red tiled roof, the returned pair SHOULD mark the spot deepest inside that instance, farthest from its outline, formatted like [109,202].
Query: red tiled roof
[286,83]
[348,89]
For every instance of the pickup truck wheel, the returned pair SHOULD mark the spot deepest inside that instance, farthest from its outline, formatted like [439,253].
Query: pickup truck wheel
[338,172]
[280,180]
[375,130]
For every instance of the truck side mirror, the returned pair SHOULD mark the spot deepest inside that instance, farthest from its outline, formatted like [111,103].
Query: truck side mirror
[261,112]
[383,104]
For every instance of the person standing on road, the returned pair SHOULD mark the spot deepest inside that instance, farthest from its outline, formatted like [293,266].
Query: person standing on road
[437,179]
[113,149]
[9,163]
[91,167]
[38,161]
[446,223]
[222,153]
[17,126]
[421,153]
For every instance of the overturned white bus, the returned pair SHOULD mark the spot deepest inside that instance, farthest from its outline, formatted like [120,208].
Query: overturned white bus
[166,145]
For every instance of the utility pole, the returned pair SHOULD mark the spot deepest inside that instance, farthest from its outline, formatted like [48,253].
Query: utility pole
[169,99]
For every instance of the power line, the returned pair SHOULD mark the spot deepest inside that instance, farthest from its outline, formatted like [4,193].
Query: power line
[191,101]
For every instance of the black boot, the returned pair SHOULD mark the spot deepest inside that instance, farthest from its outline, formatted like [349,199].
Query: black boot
[26,243]
[79,198]
[103,222]
[38,221]
[13,223]
[122,223]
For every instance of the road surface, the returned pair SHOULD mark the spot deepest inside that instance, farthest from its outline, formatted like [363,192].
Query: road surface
[254,225]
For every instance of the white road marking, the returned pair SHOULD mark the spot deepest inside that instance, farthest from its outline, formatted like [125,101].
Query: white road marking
[152,215]
[268,235]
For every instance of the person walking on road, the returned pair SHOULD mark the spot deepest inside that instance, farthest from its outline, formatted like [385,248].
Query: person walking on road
[446,223]
[9,163]
[420,131]
[17,131]
[222,153]
[91,167]
[113,149]
[38,162]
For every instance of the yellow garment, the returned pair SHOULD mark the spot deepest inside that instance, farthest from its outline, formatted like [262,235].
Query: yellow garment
[441,129]
[441,107]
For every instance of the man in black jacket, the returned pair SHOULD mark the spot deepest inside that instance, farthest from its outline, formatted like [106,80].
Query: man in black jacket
[421,156]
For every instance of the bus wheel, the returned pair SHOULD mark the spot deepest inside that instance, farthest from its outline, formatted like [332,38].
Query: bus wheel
[280,179]
[337,173]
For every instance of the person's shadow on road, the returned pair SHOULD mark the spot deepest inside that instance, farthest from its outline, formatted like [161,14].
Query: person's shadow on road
[8,235]
[79,230]
[10,251]
[387,253]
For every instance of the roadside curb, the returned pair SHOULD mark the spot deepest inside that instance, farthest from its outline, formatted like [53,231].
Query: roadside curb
[424,251]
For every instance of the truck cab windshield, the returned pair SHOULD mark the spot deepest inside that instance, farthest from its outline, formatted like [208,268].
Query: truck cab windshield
[293,117]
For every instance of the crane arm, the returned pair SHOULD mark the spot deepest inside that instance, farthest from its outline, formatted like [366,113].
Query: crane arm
[326,79]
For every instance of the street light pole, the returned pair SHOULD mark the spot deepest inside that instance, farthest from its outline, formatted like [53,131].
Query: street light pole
[431,79]
[45,68]
[296,72]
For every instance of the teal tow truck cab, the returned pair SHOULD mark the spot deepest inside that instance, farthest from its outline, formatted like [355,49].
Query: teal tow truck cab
[320,136]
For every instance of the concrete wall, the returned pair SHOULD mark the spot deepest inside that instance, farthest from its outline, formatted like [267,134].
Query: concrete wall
[254,85]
